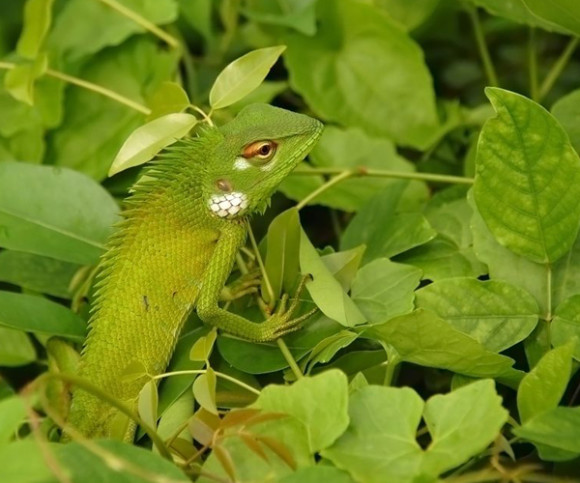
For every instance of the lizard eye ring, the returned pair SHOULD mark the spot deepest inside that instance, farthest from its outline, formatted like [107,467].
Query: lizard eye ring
[263,150]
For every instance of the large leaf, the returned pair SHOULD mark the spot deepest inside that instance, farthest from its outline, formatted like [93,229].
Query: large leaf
[517,11]
[298,14]
[380,445]
[75,40]
[527,182]
[13,411]
[383,289]
[242,76]
[34,272]
[557,428]
[563,13]
[423,338]
[324,422]
[54,212]
[37,314]
[340,73]
[567,111]
[37,18]
[566,323]
[495,313]
[383,228]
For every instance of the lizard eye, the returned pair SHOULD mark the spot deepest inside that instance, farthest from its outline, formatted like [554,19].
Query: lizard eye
[263,150]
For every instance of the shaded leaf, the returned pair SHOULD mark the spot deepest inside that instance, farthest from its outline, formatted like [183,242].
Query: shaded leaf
[168,98]
[16,348]
[204,390]
[37,19]
[13,413]
[566,324]
[61,214]
[201,349]
[148,403]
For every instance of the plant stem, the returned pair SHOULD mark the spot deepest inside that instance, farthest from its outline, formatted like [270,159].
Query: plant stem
[99,90]
[265,277]
[203,371]
[361,171]
[289,358]
[205,116]
[533,63]
[482,47]
[142,21]
[89,86]
[392,365]
[329,184]
[558,68]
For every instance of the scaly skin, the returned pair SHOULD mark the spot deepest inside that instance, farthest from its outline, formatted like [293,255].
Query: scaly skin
[173,252]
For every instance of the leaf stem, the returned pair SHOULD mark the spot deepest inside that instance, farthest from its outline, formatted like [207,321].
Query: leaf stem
[361,171]
[289,358]
[267,283]
[203,114]
[533,64]
[203,371]
[482,46]
[89,86]
[321,189]
[99,90]
[142,21]
[392,364]
[558,68]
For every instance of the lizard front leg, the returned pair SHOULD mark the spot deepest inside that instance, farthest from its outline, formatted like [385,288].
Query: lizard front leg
[214,279]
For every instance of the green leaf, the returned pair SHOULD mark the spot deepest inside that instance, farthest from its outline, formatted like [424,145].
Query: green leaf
[324,423]
[566,324]
[441,258]
[36,314]
[148,403]
[76,40]
[16,349]
[37,19]
[13,413]
[168,98]
[298,14]
[423,338]
[95,127]
[558,428]
[326,349]
[283,242]
[349,148]
[264,358]
[462,424]
[61,214]
[526,183]
[242,76]
[204,390]
[344,265]
[23,462]
[543,387]
[340,73]
[383,228]
[562,13]
[40,274]
[567,110]
[147,140]
[326,292]
[383,289]
[496,314]
[380,445]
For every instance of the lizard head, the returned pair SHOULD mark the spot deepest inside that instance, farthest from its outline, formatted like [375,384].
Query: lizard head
[259,148]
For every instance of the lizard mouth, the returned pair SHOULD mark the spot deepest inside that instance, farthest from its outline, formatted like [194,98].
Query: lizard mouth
[228,205]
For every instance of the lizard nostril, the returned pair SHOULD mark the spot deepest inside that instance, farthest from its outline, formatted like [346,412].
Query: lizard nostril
[224,185]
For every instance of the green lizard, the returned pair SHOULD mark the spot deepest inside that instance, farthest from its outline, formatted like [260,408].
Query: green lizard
[175,249]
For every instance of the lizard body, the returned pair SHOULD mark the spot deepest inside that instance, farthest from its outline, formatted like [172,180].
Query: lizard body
[174,250]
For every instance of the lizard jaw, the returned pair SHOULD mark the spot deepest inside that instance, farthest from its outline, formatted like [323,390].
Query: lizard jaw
[228,205]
